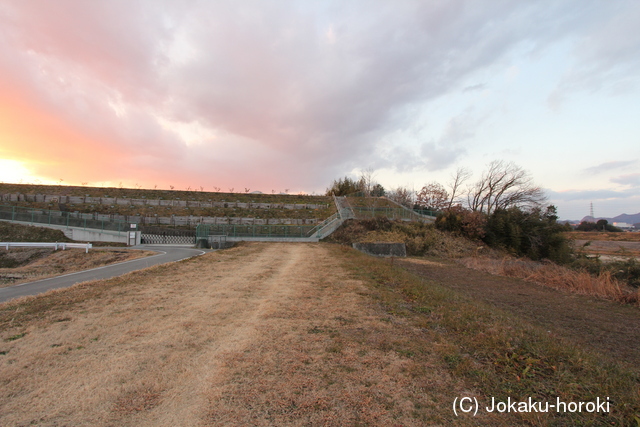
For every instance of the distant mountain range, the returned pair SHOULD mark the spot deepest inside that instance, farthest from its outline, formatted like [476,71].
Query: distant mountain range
[629,219]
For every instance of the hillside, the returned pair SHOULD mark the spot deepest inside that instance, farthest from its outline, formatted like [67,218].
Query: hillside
[10,232]
[629,219]
[163,206]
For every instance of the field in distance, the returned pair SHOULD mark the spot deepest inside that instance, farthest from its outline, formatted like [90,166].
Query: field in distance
[604,236]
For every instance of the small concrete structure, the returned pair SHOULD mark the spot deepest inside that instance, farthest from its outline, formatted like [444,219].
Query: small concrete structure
[382,249]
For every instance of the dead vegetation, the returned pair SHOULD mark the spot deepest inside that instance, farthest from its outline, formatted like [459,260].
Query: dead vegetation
[609,248]
[503,344]
[281,334]
[11,232]
[255,335]
[20,265]
[603,236]
[420,238]
[602,285]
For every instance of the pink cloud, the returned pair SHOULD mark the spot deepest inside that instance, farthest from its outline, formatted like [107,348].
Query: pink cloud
[295,94]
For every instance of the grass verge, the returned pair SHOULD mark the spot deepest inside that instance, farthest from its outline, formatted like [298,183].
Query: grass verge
[498,354]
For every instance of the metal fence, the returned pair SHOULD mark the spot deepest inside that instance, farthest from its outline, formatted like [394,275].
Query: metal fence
[391,213]
[164,239]
[229,230]
[68,219]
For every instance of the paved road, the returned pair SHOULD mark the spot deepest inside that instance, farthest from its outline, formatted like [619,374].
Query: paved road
[166,254]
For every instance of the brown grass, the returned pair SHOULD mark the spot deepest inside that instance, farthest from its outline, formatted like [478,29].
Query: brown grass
[614,248]
[558,277]
[603,236]
[38,263]
[276,334]
[262,334]
[500,354]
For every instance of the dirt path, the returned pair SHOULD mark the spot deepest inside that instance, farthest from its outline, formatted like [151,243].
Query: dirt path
[264,334]
[608,327]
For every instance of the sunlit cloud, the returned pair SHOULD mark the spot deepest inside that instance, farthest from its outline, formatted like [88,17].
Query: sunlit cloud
[274,95]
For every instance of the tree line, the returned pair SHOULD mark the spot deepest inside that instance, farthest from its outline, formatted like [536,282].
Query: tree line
[503,208]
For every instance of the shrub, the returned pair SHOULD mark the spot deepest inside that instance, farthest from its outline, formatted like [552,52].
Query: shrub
[462,222]
[534,234]
[627,271]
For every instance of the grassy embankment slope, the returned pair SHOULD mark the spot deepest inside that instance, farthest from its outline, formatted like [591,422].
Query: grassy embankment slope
[230,210]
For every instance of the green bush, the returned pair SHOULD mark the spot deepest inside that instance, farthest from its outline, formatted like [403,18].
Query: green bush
[534,234]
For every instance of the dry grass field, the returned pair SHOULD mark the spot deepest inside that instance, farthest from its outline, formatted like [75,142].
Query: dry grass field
[615,248]
[603,236]
[279,334]
[257,335]
[610,245]
[20,265]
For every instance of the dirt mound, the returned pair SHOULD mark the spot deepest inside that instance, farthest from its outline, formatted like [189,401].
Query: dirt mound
[10,232]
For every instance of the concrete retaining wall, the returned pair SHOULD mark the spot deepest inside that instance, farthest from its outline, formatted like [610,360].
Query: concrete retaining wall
[87,235]
[382,249]
[43,198]
[179,220]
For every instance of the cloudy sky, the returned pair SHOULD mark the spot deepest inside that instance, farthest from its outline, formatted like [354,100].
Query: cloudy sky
[274,95]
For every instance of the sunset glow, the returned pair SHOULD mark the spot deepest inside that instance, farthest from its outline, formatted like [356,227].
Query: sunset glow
[269,96]
[14,171]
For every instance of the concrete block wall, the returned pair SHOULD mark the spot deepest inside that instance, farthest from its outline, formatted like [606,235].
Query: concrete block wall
[160,220]
[112,201]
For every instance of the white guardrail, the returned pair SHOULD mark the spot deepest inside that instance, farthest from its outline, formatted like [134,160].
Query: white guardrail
[85,246]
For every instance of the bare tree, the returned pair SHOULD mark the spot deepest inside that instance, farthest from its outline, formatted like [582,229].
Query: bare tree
[504,185]
[460,176]
[246,189]
[433,196]
[367,181]
[403,196]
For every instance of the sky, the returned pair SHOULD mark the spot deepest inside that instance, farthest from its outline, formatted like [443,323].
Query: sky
[290,95]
